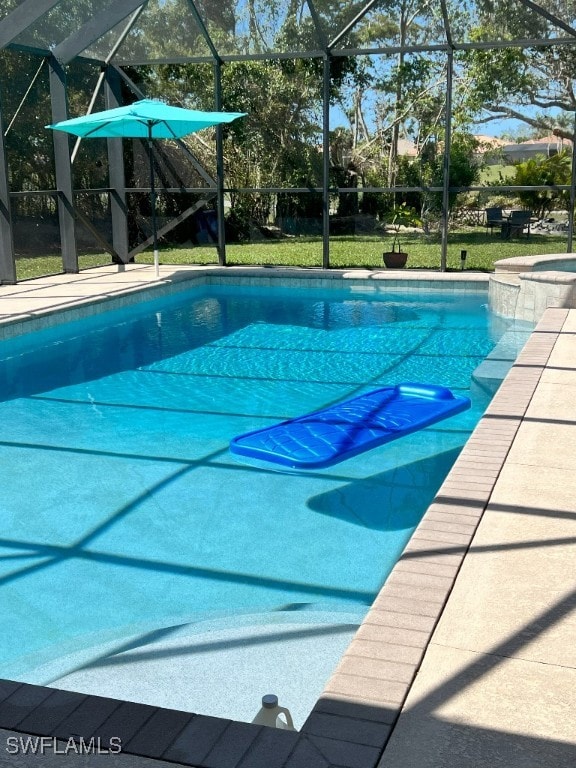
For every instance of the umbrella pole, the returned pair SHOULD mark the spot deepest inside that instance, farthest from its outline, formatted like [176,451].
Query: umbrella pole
[153,202]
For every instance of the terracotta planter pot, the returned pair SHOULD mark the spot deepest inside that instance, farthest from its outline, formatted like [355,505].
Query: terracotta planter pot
[395,259]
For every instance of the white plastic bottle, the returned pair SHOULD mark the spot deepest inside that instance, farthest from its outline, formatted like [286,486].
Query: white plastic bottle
[270,714]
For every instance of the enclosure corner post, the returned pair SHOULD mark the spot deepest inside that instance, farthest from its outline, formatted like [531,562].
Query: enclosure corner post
[569,241]
[326,163]
[7,263]
[116,173]
[447,147]
[219,167]
[63,168]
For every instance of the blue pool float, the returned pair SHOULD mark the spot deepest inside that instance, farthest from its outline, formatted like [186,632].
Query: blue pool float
[333,434]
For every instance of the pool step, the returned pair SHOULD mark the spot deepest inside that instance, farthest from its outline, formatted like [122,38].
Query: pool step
[492,370]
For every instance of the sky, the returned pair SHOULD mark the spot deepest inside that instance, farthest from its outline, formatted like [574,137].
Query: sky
[499,127]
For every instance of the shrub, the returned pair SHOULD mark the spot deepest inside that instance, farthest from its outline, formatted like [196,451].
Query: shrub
[542,170]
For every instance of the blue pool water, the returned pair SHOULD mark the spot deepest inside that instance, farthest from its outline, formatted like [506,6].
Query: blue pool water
[123,511]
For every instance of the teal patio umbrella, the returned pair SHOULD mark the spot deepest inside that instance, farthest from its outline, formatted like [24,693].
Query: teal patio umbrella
[146,119]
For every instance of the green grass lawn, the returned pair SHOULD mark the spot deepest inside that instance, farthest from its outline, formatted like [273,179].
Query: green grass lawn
[493,174]
[362,251]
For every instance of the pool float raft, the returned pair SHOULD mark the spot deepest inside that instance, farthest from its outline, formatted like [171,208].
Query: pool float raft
[336,433]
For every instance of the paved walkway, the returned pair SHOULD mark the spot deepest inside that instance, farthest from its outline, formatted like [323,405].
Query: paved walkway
[497,682]
[43,297]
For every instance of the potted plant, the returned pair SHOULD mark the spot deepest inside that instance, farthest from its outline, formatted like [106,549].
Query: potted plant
[405,216]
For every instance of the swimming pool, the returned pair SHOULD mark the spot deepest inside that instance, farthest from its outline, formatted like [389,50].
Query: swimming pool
[123,511]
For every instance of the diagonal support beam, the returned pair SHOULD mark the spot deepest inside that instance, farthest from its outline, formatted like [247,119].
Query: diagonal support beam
[549,16]
[189,154]
[94,29]
[317,24]
[171,224]
[205,34]
[343,32]
[22,17]
[159,150]
[447,28]
[85,221]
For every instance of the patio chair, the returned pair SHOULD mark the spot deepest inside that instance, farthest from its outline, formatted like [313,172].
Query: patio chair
[519,223]
[493,218]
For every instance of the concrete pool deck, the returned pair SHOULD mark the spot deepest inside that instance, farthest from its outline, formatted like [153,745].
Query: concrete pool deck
[497,685]
[467,656]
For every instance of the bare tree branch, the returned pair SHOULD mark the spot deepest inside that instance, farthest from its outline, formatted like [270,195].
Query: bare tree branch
[553,103]
[540,123]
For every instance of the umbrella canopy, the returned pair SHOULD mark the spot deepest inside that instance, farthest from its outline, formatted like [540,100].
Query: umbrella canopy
[146,119]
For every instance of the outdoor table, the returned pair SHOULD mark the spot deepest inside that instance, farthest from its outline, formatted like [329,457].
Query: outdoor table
[504,223]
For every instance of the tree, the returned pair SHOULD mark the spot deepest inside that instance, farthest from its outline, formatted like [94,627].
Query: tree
[410,97]
[277,144]
[531,84]
[25,99]
[428,170]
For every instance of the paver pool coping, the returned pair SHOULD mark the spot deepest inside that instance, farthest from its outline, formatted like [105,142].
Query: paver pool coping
[38,304]
[352,721]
